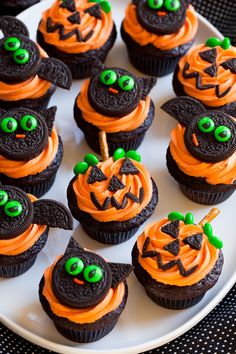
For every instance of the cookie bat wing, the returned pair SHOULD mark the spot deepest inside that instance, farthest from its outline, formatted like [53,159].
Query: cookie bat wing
[56,72]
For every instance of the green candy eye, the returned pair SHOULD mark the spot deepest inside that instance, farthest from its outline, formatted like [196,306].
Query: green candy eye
[12,44]
[155,4]
[93,273]
[108,77]
[28,123]
[126,83]
[222,134]
[21,56]
[172,5]
[74,266]
[13,208]
[3,198]
[206,125]
[9,125]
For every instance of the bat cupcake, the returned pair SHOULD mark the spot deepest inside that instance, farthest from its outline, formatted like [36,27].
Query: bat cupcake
[27,76]
[30,149]
[24,226]
[84,294]
[202,153]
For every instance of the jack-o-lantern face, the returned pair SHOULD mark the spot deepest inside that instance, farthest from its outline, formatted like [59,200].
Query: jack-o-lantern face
[161,16]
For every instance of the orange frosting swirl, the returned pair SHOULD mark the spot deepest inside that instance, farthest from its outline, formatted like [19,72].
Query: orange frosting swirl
[23,242]
[128,122]
[224,78]
[86,315]
[164,42]
[132,183]
[214,172]
[204,259]
[101,28]
[18,169]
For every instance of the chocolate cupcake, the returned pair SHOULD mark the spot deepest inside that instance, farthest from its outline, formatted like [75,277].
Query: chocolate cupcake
[24,226]
[208,73]
[158,33]
[117,102]
[77,32]
[202,153]
[112,198]
[13,7]
[83,294]
[170,261]
[28,77]
[30,149]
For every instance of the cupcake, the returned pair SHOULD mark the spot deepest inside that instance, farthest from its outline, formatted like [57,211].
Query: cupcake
[113,197]
[83,294]
[13,7]
[24,226]
[28,77]
[117,102]
[202,153]
[208,73]
[158,33]
[177,261]
[30,149]
[77,32]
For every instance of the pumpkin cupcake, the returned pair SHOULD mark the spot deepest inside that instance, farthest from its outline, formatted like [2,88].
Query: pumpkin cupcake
[24,226]
[13,7]
[158,33]
[84,294]
[117,102]
[28,78]
[208,73]
[77,32]
[177,261]
[30,149]
[202,152]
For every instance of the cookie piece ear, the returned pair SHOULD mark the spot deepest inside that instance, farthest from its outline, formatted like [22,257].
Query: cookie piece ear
[147,83]
[73,246]
[49,114]
[97,67]
[183,109]
[56,72]
[119,272]
[11,25]
[53,214]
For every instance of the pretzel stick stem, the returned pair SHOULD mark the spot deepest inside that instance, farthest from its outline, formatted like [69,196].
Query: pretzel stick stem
[103,145]
[209,217]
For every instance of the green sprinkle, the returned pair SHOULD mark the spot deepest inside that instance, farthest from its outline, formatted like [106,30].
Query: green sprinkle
[213,42]
[225,44]
[80,168]
[133,154]
[175,215]
[119,154]
[215,241]
[91,159]
[189,219]
[207,229]
[106,6]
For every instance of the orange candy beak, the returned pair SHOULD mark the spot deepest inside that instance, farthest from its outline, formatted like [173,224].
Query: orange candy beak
[194,138]
[161,13]
[112,90]
[20,136]
[79,282]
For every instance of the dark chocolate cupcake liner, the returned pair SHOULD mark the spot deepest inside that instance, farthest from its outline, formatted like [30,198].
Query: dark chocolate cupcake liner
[202,197]
[14,270]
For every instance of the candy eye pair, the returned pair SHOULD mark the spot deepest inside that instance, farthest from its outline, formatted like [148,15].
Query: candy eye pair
[27,123]
[13,44]
[92,273]
[12,208]
[109,77]
[170,5]
[221,133]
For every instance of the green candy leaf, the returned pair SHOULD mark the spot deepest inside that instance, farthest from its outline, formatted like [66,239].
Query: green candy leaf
[207,228]
[106,6]
[91,159]
[213,42]
[215,241]
[189,219]
[175,215]
[119,154]
[133,154]
[81,168]
[226,44]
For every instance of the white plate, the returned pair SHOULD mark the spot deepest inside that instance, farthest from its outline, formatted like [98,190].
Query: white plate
[143,325]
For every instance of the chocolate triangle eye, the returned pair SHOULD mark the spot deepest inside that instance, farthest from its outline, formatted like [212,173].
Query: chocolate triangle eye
[95,11]
[173,247]
[96,175]
[209,55]
[75,18]
[230,64]
[115,184]
[211,70]
[172,228]
[194,241]
[128,168]
[69,5]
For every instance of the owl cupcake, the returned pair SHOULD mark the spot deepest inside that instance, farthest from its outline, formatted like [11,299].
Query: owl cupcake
[77,32]
[178,261]
[13,7]
[158,33]
[83,294]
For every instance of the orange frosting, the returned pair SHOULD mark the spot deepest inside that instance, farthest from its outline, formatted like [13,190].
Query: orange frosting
[132,183]
[205,258]
[164,42]
[112,124]
[23,242]
[18,169]
[101,28]
[214,172]
[86,315]
[224,78]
